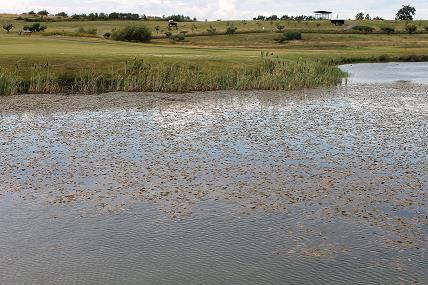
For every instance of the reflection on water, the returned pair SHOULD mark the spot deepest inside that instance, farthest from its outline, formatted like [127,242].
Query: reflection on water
[415,72]
[321,186]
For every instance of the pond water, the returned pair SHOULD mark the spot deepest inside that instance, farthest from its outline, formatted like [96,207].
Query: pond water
[416,72]
[307,187]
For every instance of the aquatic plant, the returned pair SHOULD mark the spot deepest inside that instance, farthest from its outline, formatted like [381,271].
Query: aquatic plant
[270,73]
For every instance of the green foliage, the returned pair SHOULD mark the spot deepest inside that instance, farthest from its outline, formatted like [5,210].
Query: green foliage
[364,29]
[411,29]
[211,30]
[8,27]
[43,13]
[359,16]
[107,35]
[280,27]
[168,34]
[90,31]
[62,14]
[289,36]
[178,38]
[36,27]
[132,33]
[367,17]
[387,30]
[426,28]
[406,13]
[231,29]
[268,73]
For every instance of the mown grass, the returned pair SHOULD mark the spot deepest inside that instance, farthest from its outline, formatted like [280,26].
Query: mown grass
[270,73]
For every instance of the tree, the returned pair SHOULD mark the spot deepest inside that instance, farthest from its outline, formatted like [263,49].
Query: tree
[8,27]
[359,16]
[62,14]
[43,13]
[367,17]
[280,27]
[406,13]
[35,28]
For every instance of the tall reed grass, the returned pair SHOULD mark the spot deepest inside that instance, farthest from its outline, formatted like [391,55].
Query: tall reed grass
[270,73]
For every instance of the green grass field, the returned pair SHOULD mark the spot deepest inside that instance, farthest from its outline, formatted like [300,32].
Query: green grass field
[321,42]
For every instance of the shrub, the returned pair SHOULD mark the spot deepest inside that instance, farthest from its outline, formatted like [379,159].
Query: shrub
[231,29]
[168,35]
[91,31]
[387,30]
[107,35]
[35,28]
[8,27]
[426,28]
[411,29]
[289,36]
[211,30]
[132,33]
[178,38]
[364,29]
[280,27]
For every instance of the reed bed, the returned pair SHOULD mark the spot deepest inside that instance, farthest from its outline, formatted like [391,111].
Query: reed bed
[270,73]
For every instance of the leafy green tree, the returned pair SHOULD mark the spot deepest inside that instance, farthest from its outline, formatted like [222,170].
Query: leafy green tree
[280,27]
[62,14]
[406,13]
[359,16]
[8,27]
[43,13]
[367,17]
[36,27]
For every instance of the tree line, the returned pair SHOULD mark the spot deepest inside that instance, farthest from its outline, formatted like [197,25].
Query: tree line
[111,16]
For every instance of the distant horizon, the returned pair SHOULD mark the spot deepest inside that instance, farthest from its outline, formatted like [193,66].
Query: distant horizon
[220,9]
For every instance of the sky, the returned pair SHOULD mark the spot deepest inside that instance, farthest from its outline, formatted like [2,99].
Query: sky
[220,9]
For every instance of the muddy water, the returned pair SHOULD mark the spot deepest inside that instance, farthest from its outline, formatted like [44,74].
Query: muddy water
[309,187]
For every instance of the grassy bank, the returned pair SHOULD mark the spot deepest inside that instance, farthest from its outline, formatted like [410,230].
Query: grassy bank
[269,73]
[64,59]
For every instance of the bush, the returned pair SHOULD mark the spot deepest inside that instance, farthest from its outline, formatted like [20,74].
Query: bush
[289,36]
[91,31]
[230,30]
[387,30]
[35,28]
[132,33]
[364,29]
[8,27]
[107,35]
[411,29]
[178,38]
[211,30]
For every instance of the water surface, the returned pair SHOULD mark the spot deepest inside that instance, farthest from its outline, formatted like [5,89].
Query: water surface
[306,187]
[415,72]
